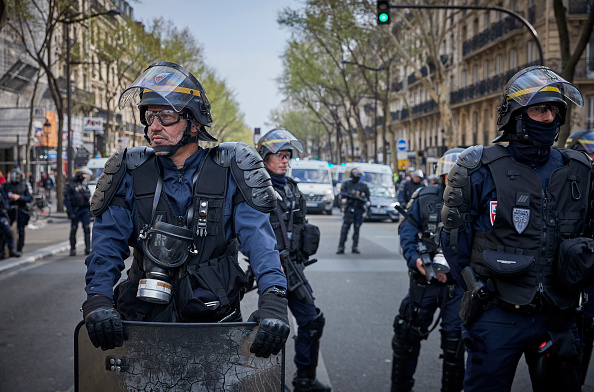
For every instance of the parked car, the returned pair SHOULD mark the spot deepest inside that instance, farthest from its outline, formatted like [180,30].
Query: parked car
[382,204]
[314,180]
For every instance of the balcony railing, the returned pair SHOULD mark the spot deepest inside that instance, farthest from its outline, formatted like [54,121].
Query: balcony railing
[577,7]
[498,30]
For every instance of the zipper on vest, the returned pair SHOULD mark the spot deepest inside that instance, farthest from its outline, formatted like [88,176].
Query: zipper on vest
[180,175]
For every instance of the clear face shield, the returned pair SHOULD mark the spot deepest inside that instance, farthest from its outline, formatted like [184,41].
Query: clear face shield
[540,79]
[165,247]
[277,140]
[165,81]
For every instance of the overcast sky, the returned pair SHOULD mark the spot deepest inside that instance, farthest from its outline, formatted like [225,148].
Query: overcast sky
[242,42]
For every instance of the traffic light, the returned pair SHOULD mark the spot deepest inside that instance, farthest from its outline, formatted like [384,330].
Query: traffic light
[383,12]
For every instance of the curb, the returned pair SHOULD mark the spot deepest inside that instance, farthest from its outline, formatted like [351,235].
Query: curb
[35,256]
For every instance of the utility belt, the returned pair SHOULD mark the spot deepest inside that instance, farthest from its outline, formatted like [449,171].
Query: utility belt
[530,309]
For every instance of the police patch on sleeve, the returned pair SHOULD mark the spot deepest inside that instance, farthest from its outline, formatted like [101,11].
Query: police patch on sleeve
[492,211]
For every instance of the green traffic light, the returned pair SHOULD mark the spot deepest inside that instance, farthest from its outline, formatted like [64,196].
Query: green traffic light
[383,17]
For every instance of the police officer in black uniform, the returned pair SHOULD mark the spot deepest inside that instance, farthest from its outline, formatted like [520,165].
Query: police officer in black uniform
[355,194]
[276,149]
[430,287]
[506,212]
[186,211]
[77,199]
[409,187]
[19,198]
[583,141]
[6,236]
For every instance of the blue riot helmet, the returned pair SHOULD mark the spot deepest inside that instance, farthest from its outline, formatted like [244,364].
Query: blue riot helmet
[582,141]
[275,140]
[82,171]
[170,84]
[531,86]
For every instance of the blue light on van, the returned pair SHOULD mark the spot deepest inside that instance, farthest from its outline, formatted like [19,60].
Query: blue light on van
[342,164]
[297,159]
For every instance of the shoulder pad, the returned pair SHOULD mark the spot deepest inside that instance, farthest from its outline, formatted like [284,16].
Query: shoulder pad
[253,181]
[493,153]
[136,156]
[108,182]
[413,197]
[576,155]
[224,153]
[471,157]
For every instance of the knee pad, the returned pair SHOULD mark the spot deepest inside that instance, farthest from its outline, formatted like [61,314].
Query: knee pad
[316,325]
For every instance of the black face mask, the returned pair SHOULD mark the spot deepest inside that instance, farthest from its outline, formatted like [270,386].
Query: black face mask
[541,134]
[356,179]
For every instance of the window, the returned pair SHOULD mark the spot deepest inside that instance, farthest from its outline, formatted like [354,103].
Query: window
[475,125]
[463,78]
[475,72]
[589,112]
[531,52]
[590,58]
[486,69]
[513,58]
[498,64]
[487,19]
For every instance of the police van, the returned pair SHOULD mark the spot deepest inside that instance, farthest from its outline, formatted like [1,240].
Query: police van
[314,180]
[96,165]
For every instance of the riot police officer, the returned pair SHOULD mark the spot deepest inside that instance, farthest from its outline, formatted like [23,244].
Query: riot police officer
[355,194]
[429,289]
[289,224]
[186,211]
[77,199]
[506,212]
[19,197]
[408,187]
[6,236]
[584,141]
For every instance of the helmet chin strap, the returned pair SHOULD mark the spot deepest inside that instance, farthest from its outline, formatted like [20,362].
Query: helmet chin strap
[522,136]
[171,150]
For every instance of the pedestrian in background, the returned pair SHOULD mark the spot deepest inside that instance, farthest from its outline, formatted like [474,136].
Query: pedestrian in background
[292,241]
[509,214]
[77,199]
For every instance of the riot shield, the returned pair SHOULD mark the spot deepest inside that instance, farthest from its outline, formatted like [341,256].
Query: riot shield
[177,357]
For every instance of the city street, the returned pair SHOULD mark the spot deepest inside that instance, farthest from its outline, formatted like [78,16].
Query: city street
[359,295]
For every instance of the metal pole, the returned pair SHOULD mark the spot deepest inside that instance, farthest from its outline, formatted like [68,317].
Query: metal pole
[375,119]
[68,103]
[478,7]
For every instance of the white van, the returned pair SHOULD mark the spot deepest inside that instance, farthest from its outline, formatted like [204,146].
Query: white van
[373,173]
[314,180]
[96,165]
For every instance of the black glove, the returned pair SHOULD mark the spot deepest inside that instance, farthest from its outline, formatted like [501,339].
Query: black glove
[563,348]
[70,215]
[103,322]
[273,322]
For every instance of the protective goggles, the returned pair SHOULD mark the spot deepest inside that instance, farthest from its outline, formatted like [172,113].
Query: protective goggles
[165,117]
[168,245]
[537,110]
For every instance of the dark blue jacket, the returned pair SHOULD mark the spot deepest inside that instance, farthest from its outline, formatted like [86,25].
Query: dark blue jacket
[115,230]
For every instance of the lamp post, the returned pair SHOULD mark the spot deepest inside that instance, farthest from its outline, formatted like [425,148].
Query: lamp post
[47,126]
[67,23]
[375,71]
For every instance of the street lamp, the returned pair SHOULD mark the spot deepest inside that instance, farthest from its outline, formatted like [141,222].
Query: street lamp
[67,23]
[47,127]
[375,71]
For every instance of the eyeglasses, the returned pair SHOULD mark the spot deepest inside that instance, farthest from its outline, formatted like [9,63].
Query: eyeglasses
[166,117]
[537,110]
[280,156]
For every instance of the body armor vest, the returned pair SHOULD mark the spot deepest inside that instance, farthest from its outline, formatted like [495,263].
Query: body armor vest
[352,202]
[81,195]
[530,224]
[18,188]
[213,267]
[291,202]
[430,203]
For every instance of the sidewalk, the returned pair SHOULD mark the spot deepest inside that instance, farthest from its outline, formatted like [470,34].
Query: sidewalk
[45,238]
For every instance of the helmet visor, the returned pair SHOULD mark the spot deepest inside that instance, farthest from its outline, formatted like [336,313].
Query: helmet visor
[537,80]
[446,163]
[165,81]
[280,139]
[586,140]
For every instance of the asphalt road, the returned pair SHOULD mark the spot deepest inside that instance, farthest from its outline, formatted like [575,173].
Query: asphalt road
[359,294]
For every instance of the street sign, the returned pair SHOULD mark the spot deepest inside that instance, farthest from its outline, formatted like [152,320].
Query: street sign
[402,145]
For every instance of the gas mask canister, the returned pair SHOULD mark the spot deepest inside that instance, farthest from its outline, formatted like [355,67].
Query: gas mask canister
[165,247]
